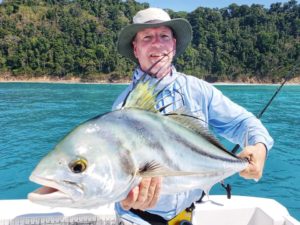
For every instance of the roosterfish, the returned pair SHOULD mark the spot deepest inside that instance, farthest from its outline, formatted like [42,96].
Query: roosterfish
[102,159]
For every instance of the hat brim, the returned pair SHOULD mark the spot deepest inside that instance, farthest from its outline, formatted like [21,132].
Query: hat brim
[181,29]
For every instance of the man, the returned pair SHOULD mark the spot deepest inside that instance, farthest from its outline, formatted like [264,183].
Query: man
[155,39]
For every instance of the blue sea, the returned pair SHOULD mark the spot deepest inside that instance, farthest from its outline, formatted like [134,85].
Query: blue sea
[35,116]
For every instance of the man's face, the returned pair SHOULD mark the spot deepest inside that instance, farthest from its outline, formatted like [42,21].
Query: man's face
[150,45]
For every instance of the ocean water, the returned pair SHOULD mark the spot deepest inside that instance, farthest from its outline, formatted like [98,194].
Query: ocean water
[35,116]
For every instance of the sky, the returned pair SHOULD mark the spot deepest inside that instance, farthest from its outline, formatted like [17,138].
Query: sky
[190,5]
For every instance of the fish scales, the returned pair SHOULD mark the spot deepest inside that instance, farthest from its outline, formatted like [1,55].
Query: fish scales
[102,159]
[188,155]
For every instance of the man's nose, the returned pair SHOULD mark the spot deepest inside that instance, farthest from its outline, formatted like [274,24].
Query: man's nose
[156,40]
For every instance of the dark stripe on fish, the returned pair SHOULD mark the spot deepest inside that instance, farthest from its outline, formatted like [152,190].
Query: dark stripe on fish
[196,149]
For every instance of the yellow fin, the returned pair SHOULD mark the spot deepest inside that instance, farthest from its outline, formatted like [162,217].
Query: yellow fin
[142,96]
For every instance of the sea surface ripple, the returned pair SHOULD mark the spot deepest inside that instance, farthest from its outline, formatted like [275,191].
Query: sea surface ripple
[35,116]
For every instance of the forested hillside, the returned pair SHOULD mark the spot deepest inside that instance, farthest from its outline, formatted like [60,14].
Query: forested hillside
[77,38]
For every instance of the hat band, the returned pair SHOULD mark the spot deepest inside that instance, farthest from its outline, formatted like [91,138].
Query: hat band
[155,21]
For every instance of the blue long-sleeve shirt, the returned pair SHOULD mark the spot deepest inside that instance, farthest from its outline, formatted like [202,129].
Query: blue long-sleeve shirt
[204,101]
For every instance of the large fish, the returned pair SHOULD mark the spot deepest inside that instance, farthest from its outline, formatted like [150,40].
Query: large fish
[102,159]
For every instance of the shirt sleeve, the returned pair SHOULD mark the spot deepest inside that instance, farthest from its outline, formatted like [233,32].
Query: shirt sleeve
[234,122]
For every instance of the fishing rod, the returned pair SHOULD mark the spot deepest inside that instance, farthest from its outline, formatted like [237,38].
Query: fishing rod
[236,147]
[286,78]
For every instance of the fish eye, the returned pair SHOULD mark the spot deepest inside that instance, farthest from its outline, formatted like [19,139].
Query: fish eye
[78,165]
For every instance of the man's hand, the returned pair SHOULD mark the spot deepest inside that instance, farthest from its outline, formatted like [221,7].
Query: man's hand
[256,154]
[144,196]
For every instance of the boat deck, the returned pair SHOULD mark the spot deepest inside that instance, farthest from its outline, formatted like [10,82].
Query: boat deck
[218,210]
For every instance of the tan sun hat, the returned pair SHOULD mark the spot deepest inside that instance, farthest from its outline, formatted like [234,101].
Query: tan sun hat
[154,17]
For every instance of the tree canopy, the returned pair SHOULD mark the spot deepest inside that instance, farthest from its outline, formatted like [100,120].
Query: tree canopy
[66,38]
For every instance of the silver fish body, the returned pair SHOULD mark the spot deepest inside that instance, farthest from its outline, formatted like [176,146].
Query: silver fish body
[101,160]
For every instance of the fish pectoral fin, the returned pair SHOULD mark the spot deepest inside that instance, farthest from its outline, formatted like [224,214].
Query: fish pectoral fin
[154,169]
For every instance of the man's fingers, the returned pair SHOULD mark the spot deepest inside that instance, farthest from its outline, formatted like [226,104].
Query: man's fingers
[253,171]
[128,202]
[143,193]
[256,156]
[156,191]
[246,154]
[144,196]
[153,193]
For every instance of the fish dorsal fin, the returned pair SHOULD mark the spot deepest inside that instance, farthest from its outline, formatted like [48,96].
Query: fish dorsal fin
[142,96]
[186,119]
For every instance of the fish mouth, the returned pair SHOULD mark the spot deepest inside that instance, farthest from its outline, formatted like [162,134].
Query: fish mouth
[55,193]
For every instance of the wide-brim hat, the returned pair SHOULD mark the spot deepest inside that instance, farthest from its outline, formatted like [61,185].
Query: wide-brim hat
[149,18]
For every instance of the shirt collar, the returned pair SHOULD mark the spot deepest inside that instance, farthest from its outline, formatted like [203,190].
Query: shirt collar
[138,73]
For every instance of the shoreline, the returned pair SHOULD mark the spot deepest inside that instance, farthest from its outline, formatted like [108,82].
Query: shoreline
[59,81]
[295,81]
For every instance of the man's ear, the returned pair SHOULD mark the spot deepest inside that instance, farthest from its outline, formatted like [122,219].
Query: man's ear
[134,48]
[174,52]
